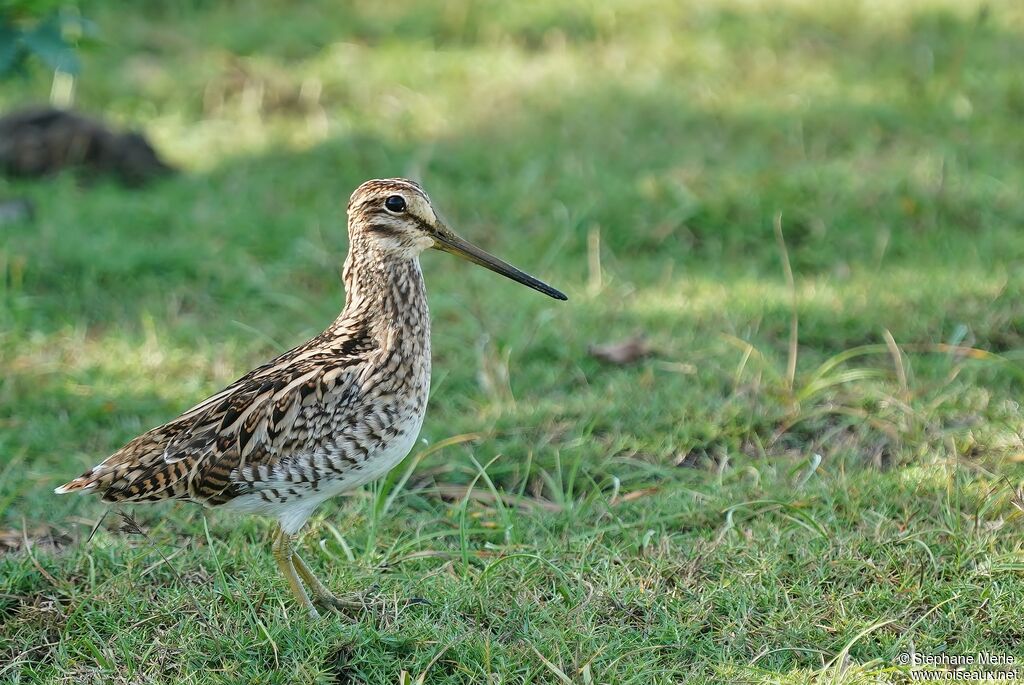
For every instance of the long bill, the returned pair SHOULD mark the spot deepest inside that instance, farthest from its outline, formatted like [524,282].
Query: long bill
[447,241]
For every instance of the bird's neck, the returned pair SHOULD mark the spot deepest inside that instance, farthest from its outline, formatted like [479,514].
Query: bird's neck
[385,294]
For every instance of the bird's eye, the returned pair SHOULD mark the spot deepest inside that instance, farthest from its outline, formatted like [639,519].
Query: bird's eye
[395,203]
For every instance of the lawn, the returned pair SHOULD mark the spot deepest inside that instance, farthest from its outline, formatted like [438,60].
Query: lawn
[744,505]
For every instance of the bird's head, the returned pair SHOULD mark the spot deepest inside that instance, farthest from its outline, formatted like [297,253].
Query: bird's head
[394,216]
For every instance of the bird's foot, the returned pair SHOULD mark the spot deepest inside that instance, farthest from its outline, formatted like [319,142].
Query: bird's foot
[361,602]
[294,568]
[349,603]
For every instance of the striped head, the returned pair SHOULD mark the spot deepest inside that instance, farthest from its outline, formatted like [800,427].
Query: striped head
[394,217]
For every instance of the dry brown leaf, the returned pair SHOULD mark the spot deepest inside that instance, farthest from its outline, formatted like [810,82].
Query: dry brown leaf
[13,540]
[622,352]
[635,494]
[457,492]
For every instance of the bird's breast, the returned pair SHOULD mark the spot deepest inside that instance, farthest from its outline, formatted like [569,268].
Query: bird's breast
[377,428]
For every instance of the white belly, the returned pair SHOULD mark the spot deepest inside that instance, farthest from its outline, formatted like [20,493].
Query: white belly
[293,512]
[383,461]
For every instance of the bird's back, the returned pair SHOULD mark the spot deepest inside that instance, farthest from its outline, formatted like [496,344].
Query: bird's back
[335,410]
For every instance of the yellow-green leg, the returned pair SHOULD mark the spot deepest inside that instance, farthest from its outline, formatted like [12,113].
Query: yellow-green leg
[285,556]
[293,568]
[321,595]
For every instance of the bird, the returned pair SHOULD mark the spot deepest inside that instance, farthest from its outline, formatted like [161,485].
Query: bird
[325,417]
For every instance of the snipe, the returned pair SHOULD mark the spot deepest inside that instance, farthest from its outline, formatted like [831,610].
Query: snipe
[325,417]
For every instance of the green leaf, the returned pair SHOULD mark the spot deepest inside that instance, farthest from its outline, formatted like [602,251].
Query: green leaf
[23,9]
[46,42]
[79,25]
[11,50]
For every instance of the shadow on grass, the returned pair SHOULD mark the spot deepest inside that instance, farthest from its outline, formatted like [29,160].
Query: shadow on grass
[672,191]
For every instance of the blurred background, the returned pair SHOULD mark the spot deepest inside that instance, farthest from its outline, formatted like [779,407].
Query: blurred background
[790,232]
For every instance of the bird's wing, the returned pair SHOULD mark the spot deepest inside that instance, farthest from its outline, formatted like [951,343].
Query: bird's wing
[214,451]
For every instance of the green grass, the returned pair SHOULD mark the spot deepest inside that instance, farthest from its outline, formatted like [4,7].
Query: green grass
[702,516]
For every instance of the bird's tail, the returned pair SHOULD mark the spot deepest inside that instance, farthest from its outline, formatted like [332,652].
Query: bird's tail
[87,482]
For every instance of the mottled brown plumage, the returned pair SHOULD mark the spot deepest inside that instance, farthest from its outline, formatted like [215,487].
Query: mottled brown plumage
[327,416]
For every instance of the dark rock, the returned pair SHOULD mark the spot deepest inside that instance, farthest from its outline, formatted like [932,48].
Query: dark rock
[43,141]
